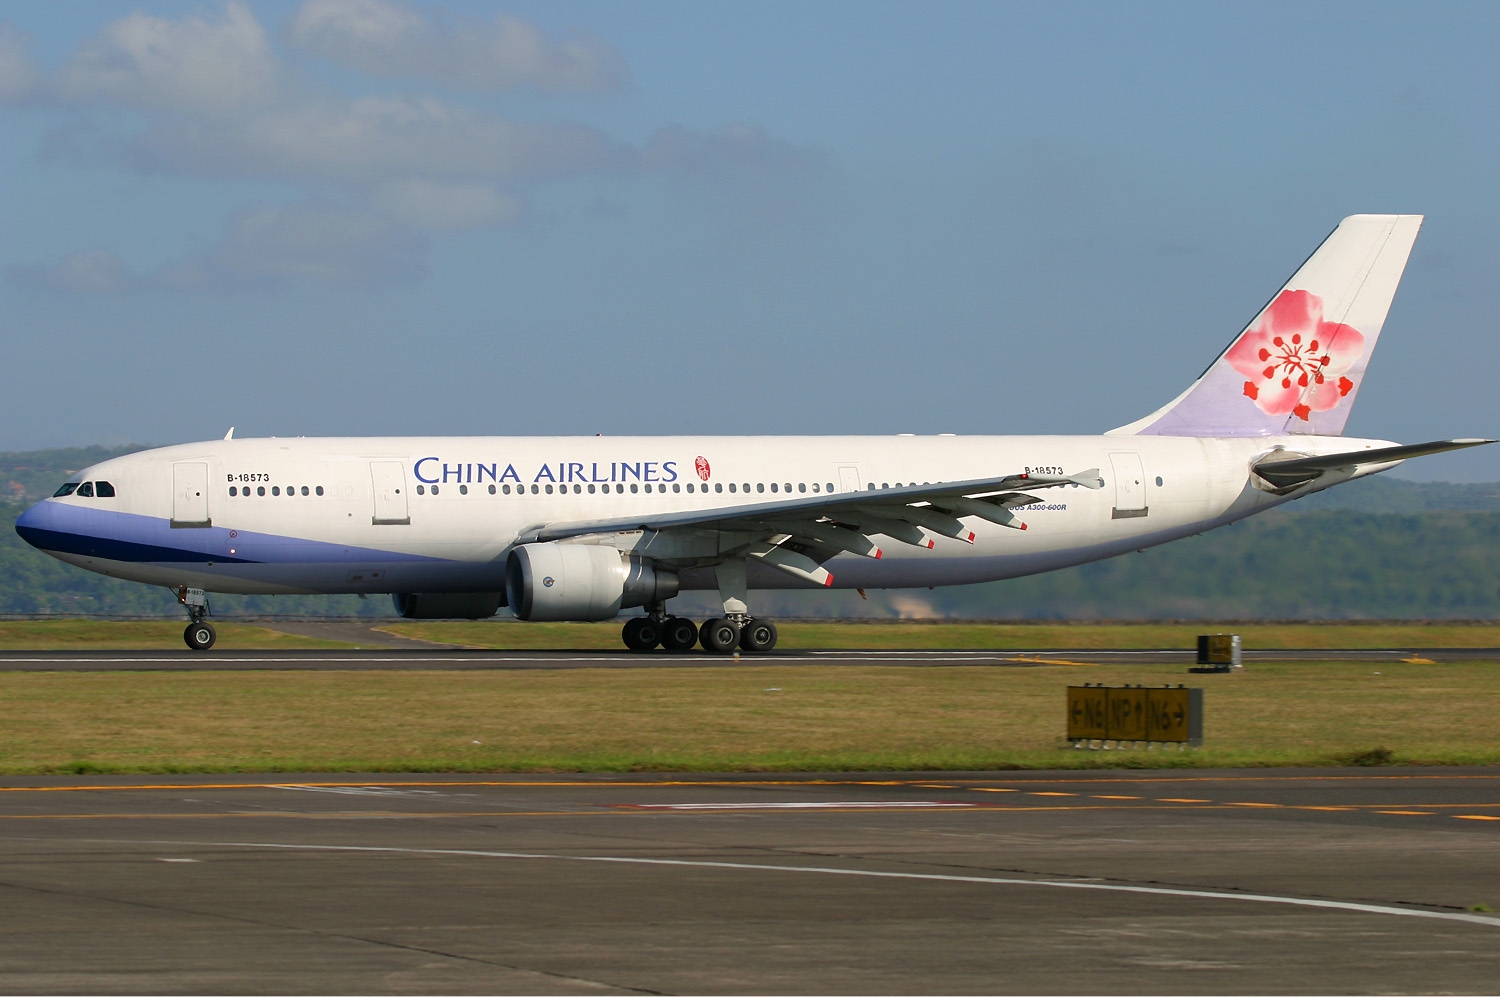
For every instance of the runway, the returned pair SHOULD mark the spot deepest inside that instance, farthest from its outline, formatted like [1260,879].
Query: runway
[1306,881]
[228,659]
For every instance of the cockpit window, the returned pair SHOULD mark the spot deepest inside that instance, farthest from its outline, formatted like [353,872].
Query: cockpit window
[67,488]
[85,490]
[103,489]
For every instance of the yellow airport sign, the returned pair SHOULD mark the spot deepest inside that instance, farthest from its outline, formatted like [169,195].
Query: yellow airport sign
[1135,713]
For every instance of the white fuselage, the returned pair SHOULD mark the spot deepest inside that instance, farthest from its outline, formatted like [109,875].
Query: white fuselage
[367,515]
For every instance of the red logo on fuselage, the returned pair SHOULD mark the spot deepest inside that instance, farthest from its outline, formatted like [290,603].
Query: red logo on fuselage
[702,465]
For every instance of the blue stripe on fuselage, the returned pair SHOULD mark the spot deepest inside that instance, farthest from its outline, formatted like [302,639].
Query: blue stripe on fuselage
[64,528]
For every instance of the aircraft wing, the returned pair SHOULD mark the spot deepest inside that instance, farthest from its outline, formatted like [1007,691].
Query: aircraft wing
[1288,472]
[797,535]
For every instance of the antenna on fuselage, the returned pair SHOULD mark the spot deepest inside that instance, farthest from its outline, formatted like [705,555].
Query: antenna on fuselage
[229,435]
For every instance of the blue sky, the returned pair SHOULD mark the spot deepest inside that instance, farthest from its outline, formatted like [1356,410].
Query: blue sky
[369,217]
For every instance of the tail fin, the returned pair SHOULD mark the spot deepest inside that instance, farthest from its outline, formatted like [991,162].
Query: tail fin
[1297,367]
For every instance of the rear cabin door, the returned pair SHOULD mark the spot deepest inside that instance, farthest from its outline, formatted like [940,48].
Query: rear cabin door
[389,479]
[190,495]
[1130,486]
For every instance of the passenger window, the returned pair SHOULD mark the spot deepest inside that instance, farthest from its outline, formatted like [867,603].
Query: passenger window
[690,486]
[577,489]
[275,489]
[304,489]
[85,490]
[233,491]
[549,489]
[66,488]
[492,489]
[103,489]
[788,487]
[260,490]
[719,487]
[421,490]
[634,488]
[802,486]
[319,489]
[731,486]
[434,489]
[830,487]
[747,487]
[463,489]
[676,488]
[773,486]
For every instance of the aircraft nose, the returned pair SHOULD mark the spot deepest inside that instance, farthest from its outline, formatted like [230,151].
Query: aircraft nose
[35,523]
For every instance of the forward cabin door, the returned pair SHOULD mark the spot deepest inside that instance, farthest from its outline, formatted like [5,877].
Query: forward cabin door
[1130,486]
[389,479]
[848,479]
[190,495]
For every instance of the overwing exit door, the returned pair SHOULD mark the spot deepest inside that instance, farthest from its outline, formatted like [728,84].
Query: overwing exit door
[389,480]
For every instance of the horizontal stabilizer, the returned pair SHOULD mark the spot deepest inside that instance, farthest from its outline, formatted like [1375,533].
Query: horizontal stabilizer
[1297,470]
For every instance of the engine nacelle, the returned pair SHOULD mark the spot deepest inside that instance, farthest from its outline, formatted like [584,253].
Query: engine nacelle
[447,605]
[558,581]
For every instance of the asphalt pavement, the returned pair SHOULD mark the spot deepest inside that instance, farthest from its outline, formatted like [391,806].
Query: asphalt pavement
[1285,881]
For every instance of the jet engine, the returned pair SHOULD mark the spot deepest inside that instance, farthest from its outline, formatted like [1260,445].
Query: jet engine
[448,605]
[558,581]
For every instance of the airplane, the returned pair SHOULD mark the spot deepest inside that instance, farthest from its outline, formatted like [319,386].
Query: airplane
[581,528]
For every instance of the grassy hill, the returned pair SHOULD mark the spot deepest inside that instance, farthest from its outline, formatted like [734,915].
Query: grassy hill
[1379,548]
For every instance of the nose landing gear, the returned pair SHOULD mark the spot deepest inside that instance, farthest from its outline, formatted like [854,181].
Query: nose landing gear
[199,635]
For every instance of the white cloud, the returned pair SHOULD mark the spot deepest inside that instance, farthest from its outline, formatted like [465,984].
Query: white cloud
[90,271]
[303,242]
[375,139]
[190,65]
[387,39]
[424,204]
[18,75]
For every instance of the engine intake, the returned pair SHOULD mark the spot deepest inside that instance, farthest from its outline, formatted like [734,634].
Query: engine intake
[447,605]
[558,581]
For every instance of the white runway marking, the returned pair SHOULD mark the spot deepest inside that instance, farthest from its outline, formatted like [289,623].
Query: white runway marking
[1061,884]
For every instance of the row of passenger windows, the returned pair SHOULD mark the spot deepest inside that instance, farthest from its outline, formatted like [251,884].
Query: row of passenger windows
[87,489]
[275,490]
[619,489]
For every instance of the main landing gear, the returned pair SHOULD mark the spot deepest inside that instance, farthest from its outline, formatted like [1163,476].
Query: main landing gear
[199,635]
[736,629]
[677,634]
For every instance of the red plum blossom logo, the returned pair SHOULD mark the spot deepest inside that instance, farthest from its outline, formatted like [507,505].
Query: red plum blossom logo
[1294,360]
[701,465]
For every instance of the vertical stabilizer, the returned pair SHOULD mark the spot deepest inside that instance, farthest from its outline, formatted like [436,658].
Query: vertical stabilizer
[1297,367]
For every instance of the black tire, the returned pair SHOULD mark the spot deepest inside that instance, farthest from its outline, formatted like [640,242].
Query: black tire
[679,634]
[199,636]
[758,636]
[719,635]
[641,634]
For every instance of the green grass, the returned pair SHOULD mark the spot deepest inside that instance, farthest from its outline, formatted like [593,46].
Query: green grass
[117,635]
[750,718]
[910,635]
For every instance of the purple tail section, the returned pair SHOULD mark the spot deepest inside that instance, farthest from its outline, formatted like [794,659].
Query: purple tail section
[1297,367]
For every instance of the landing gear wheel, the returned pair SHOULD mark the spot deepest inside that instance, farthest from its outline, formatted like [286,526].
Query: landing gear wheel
[679,634]
[641,634]
[719,636]
[758,636]
[199,636]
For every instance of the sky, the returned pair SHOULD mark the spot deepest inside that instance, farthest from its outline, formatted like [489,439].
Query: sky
[371,217]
